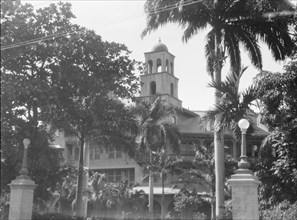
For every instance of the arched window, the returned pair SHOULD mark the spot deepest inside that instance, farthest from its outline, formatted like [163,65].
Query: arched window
[153,88]
[167,66]
[159,65]
[173,120]
[150,66]
[172,89]
[172,68]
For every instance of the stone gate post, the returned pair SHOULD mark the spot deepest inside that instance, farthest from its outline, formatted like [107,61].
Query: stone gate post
[22,191]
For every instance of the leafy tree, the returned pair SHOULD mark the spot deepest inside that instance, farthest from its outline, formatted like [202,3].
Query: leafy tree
[25,93]
[91,77]
[120,196]
[155,132]
[277,168]
[202,170]
[231,23]
[72,82]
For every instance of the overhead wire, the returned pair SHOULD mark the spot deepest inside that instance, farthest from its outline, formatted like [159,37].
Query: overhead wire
[151,12]
[38,40]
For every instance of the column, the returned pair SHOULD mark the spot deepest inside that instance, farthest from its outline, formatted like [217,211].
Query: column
[22,191]
[244,184]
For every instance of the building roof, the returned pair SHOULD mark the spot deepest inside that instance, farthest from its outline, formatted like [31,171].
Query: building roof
[159,47]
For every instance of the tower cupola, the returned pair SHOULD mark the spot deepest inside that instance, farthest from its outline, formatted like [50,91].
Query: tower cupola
[159,78]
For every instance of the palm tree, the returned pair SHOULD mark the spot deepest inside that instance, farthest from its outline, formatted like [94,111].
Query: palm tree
[232,22]
[162,164]
[234,105]
[154,133]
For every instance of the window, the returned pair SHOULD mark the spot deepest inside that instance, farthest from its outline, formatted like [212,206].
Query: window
[150,66]
[114,153]
[167,66]
[111,152]
[76,153]
[187,149]
[172,89]
[131,175]
[110,175]
[118,176]
[153,88]
[171,67]
[95,153]
[173,120]
[91,153]
[159,65]
[118,154]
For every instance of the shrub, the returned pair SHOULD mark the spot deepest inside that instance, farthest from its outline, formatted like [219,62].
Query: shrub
[54,216]
[283,210]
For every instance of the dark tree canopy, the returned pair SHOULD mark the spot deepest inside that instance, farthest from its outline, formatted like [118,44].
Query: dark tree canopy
[57,75]
[277,168]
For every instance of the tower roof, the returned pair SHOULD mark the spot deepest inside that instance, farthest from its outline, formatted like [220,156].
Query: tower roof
[159,47]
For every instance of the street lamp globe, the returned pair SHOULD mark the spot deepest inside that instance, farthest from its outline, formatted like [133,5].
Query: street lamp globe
[26,142]
[243,124]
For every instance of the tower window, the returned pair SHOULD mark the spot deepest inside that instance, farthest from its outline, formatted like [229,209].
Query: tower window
[167,66]
[173,120]
[150,66]
[172,68]
[172,89]
[153,88]
[159,65]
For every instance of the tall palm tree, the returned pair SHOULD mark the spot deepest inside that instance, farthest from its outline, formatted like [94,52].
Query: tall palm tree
[155,132]
[234,105]
[231,22]
[162,165]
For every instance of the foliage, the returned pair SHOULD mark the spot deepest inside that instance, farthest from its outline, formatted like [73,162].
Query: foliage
[154,130]
[277,168]
[54,216]
[120,196]
[231,23]
[284,210]
[233,105]
[202,170]
[25,94]
[191,202]
[70,82]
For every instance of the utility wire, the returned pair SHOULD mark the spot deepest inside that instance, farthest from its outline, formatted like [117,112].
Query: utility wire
[179,5]
[38,40]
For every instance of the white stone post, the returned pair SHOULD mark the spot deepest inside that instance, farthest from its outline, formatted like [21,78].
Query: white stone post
[244,185]
[22,191]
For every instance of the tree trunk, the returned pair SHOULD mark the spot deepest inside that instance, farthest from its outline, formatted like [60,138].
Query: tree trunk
[163,198]
[151,191]
[79,189]
[219,139]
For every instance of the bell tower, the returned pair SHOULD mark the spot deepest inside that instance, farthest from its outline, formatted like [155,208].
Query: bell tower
[159,78]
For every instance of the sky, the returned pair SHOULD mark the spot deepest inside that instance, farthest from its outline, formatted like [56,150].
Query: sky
[123,21]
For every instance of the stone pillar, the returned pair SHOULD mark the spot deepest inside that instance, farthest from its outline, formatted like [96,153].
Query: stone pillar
[22,191]
[21,198]
[244,184]
[244,187]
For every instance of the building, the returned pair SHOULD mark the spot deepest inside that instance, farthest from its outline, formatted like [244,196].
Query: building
[159,79]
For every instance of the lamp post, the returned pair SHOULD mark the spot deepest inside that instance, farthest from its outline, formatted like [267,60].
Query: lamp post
[244,184]
[243,125]
[24,170]
[22,191]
